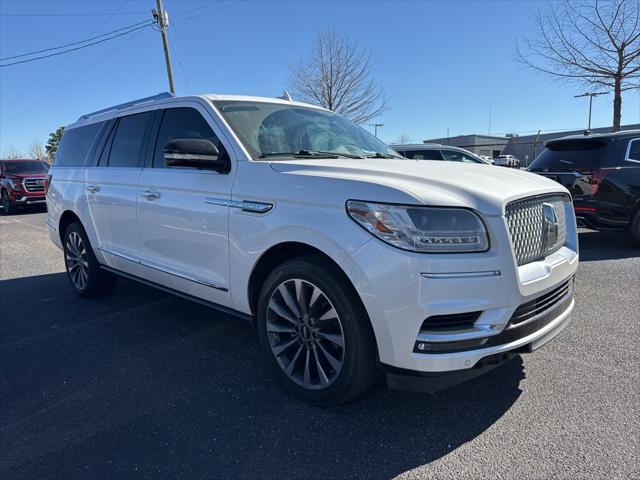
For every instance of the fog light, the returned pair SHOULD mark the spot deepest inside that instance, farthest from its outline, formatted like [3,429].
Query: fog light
[447,347]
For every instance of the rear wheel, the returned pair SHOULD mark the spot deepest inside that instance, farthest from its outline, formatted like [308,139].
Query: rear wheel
[84,272]
[8,207]
[315,332]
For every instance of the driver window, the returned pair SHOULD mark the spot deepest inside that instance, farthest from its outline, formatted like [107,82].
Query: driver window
[182,123]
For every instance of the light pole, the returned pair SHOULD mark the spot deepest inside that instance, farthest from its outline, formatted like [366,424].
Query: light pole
[375,127]
[591,95]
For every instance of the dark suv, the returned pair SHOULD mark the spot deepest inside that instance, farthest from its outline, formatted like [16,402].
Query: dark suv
[22,183]
[602,172]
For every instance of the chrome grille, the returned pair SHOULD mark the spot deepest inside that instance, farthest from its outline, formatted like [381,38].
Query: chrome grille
[34,185]
[526,221]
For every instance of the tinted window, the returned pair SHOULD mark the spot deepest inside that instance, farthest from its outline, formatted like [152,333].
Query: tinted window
[128,147]
[183,123]
[570,154]
[423,154]
[456,156]
[24,167]
[634,150]
[75,144]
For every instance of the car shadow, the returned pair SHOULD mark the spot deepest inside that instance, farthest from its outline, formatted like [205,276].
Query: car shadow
[595,246]
[24,211]
[143,384]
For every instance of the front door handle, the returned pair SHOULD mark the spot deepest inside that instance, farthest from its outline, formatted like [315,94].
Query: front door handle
[150,195]
[93,188]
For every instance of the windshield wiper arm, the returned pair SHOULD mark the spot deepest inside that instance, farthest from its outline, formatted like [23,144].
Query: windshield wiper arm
[310,153]
[382,155]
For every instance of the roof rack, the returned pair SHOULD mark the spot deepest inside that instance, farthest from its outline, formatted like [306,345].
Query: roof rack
[131,103]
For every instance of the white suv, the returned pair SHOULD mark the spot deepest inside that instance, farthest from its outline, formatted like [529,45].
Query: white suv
[349,260]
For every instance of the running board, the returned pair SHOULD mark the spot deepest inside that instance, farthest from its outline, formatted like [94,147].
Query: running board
[206,303]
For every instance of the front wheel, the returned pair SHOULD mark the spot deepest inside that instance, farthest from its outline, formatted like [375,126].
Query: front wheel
[315,333]
[8,206]
[83,270]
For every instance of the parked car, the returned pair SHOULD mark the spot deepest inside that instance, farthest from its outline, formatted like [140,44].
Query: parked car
[348,259]
[507,161]
[22,183]
[602,172]
[435,151]
[487,158]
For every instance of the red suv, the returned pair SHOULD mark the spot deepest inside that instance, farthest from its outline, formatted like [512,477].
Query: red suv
[22,182]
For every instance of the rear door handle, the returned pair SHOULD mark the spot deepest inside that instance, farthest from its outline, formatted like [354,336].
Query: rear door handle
[150,195]
[93,188]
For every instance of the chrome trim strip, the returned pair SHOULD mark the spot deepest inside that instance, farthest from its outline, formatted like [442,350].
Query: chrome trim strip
[478,331]
[244,205]
[183,276]
[557,302]
[489,273]
[121,255]
[163,270]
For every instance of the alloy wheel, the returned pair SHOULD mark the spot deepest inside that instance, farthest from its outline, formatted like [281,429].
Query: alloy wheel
[75,256]
[305,334]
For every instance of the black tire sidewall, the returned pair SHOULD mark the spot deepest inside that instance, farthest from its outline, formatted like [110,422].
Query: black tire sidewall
[352,317]
[98,281]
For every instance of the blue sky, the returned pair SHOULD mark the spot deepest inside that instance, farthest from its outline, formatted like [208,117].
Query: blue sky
[443,64]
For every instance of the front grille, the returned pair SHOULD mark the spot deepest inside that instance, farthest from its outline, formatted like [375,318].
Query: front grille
[532,234]
[34,185]
[455,321]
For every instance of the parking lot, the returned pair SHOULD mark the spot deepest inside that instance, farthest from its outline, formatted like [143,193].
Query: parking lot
[143,384]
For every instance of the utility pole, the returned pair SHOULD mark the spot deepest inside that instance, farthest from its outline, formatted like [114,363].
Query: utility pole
[161,16]
[375,127]
[590,95]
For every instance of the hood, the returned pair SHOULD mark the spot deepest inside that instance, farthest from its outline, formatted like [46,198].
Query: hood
[485,188]
[20,176]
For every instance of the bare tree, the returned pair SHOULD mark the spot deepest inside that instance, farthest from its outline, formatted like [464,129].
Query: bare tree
[36,149]
[592,43]
[337,75]
[12,152]
[403,138]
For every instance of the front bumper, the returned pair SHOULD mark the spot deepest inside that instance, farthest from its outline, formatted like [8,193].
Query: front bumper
[400,290]
[19,199]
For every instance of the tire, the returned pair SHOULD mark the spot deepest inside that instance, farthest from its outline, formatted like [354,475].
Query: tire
[634,229]
[8,207]
[340,349]
[87,279]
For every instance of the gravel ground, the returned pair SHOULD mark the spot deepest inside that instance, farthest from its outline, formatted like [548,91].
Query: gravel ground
[142,384]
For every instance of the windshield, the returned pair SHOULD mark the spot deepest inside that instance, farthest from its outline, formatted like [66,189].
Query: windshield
[272,130]
[24,167]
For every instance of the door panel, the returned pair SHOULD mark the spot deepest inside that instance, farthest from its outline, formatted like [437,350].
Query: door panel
[112,190]
[184,239]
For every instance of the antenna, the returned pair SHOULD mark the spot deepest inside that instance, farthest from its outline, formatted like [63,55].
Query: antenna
[285,96]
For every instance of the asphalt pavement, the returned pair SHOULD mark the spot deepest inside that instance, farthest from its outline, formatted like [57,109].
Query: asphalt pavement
[142,384]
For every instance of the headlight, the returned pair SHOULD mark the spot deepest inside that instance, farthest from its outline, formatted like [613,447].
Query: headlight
[422,229]
[15,184]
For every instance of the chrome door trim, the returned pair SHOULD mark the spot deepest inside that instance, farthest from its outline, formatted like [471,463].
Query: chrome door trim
[164,270]
[244,205]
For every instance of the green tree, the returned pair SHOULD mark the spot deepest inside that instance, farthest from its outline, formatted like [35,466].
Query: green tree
[52,143]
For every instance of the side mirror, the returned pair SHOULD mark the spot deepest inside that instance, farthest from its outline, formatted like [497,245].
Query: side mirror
[196,153]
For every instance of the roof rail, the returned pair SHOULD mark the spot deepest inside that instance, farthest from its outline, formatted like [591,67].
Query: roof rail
[131,103]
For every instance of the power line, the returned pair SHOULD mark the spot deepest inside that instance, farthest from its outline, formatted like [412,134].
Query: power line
[76,14]
[74,43]
[148,24]
[46,73]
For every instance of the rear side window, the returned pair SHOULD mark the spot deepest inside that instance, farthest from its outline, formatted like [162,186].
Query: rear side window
[129,142]
[570,154]
[634,150]
[75,145]
[182,123]
[423,154]
[455,156]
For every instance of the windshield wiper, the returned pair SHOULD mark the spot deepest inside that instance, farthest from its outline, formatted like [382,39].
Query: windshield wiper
[310,153]
[382,155]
